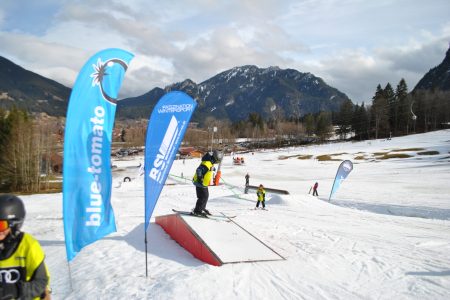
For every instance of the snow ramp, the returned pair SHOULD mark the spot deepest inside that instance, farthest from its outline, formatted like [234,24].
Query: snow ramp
[216,241]
[268,189]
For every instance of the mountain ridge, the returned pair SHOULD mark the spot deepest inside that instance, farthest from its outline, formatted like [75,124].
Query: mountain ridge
[235,93]
[437,77]
[31,91]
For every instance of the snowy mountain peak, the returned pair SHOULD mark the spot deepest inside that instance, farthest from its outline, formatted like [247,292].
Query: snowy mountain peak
[235,93]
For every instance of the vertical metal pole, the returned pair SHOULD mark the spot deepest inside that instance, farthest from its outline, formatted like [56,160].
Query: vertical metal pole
[70,277]
[146,265]
[212,139]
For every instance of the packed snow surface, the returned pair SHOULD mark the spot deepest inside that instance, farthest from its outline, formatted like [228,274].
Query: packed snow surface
[385,234]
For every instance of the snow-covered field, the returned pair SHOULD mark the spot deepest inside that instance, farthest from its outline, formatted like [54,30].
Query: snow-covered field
[385,234]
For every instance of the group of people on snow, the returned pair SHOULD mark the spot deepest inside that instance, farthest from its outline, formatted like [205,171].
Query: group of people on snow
[202,179]
[204,174]
[238,160]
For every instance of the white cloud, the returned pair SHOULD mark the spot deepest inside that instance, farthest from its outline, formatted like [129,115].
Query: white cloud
[37,55]
[146,73]
[353,45]
[2,17]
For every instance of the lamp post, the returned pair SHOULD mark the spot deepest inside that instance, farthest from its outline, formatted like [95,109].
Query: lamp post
[214,129]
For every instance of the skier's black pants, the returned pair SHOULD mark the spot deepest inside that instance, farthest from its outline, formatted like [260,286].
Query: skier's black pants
[315,193]
[202,199]
[263,202]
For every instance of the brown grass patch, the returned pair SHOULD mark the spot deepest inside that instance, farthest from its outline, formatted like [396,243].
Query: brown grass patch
[380,153]
[408,149]
[304,156]
[282,157]
[394,155]
[360,157]
[428,153]
[336,154]
[326,157]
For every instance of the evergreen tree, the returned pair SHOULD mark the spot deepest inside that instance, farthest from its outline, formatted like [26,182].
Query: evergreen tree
[345,118]
[389,94]
[404,110]
[360,122]
[323,127]
[310,124]
[380,110]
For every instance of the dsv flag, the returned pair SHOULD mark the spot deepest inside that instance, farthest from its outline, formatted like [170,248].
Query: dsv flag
[166,127]
[88,215]
[344,169]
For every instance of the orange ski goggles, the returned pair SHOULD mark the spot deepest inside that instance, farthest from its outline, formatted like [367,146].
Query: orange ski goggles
[4,224]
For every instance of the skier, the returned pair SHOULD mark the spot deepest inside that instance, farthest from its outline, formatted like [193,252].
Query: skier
[316,185]
[24,274]
[261,193]
[247,183]
[201,180]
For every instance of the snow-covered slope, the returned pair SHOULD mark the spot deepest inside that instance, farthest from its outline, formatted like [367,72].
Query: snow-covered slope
[384,235]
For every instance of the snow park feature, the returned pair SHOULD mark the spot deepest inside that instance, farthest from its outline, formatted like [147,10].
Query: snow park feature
[270,190]
[216,240]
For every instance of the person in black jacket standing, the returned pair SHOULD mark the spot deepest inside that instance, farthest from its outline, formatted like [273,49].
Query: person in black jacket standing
[202,179]
[247,182]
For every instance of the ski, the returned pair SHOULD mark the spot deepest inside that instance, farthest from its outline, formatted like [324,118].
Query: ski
[188,213]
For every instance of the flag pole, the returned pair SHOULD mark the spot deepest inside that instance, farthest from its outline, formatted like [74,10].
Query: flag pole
[70,276]
[146,265]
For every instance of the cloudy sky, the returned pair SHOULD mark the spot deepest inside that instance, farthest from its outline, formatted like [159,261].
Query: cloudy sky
[354,45]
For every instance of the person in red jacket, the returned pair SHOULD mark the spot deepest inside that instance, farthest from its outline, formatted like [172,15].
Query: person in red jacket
[315,193]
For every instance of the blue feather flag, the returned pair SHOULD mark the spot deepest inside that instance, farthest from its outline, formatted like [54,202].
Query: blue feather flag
[166,128]
[87,212]
[344,169]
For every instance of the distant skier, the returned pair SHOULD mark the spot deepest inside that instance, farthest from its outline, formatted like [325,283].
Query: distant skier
[202,179]
[315,193]
[247,183]
[261,193]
